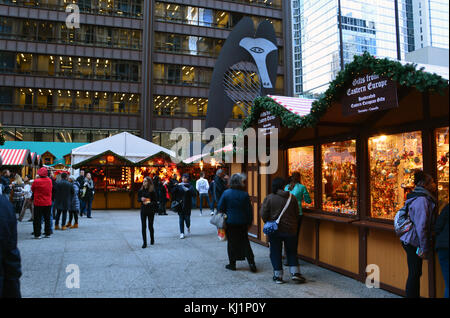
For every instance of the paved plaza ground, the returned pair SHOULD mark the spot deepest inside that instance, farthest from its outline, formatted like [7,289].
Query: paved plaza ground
[107,250]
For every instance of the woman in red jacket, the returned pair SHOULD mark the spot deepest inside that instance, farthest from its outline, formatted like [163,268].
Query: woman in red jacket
[42,193]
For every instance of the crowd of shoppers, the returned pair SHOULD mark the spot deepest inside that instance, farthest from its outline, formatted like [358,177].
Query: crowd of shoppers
[48,197]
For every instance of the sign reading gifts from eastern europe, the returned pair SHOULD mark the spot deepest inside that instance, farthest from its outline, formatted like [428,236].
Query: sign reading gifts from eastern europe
[267,121]
[369,93]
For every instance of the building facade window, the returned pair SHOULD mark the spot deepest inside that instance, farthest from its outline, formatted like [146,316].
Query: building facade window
[122,8]
[56,32]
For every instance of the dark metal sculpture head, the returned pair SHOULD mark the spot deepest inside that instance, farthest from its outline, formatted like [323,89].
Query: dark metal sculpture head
[246,68]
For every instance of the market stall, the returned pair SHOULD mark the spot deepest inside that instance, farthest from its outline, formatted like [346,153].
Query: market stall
[118,165]
[17,161]
[356,149]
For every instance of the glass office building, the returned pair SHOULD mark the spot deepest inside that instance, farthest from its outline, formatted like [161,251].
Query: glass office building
[333,31]
[139,66]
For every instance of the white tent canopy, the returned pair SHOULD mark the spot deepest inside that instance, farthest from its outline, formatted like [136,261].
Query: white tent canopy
[124,144]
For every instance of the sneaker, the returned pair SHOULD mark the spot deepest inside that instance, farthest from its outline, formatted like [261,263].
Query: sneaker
[298,278]
[278,280]
[201,213]
[212,213]
[181,236]
[37,237]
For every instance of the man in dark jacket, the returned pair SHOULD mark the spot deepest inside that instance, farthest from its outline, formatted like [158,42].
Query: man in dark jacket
[441,229]
[219,184]
[10,263]
[5,182]
[63,201]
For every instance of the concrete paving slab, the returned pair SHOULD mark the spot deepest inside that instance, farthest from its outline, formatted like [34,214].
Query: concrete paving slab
[107,249]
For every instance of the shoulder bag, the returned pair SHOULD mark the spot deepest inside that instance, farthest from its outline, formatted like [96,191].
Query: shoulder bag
[271,227]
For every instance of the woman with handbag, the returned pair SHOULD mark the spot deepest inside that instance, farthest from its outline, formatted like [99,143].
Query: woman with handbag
[182,203]
[281,207]
[149,205]
[235,203]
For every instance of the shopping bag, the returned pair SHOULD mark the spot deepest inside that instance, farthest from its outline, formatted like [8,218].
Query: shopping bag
[221,234]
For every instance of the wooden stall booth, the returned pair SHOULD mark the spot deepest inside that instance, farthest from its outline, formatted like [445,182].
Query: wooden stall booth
[17,161]
[113,180]
[356,149]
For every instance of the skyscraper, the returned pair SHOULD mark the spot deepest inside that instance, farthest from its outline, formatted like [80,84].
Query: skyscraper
[333,31]
[133,65]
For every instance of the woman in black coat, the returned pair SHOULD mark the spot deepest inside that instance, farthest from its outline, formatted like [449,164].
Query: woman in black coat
[149,205]
[183,193]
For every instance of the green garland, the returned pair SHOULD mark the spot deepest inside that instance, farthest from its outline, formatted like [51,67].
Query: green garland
[406,75]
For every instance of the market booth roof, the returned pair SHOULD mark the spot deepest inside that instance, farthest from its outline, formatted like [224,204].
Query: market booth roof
[326,117]
[124,145]
[15,157]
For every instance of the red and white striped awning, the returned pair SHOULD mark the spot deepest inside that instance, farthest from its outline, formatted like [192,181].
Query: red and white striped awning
[296,105]
[14,157]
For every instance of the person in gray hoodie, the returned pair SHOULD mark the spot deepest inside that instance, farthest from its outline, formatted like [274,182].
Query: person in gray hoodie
[420,204]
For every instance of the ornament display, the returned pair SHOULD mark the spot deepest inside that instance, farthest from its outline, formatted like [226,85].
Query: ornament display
[393,160]
[301,160]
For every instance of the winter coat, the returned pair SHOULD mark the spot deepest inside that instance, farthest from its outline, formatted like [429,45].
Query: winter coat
[184,192]
[202,186]
[153,205]
[10,263]
[421,206]
[89,185]
[5,183]
[273,205]
[219,187]
[237,206]
[75,206]
[64,195]
[18,192]
[42,189]
[301,193]
[441,229]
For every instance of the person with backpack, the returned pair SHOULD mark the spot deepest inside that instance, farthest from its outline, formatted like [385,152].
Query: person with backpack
[441,230]
[420,205]
[202,187]
[182,194]
[282,206]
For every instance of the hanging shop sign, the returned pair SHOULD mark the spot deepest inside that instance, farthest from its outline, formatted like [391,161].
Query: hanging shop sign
[369,93]
[267,121]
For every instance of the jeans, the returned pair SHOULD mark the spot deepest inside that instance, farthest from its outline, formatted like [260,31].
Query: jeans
[151,217]
[443,261]
[82,207]
[212,203]
[42,212]
[64,217]
[194,201]
[204,195]
[414,271]
[89,208]
[290,242]
[184,218]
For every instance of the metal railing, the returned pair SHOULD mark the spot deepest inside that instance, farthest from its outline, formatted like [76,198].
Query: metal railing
[110,109]
[71,75]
